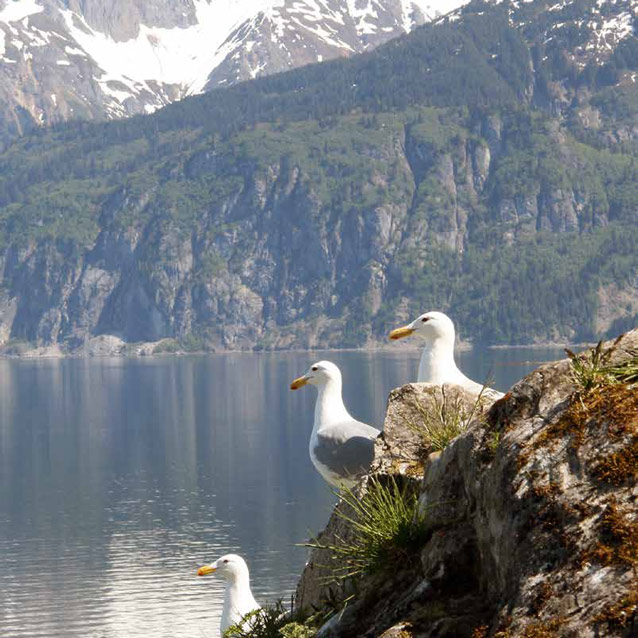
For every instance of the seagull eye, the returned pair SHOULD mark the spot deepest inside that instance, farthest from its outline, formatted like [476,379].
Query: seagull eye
[315,368]
[225,560]
[425,319]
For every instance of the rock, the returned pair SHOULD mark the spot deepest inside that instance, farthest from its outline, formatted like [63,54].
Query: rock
[401,630]
[410,408]
[399,450]
[532,517]
[105,346]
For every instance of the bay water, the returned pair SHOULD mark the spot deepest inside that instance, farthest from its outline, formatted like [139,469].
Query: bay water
[119,477]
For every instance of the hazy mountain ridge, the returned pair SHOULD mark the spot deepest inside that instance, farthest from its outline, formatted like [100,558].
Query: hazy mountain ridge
[96,59]
[471,166]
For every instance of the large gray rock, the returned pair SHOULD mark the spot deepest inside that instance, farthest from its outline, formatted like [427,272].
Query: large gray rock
[401,451]
[404,446]
[533,520]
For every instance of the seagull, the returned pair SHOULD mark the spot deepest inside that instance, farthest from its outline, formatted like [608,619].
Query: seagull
[238,599]
[437,364]
[341,448]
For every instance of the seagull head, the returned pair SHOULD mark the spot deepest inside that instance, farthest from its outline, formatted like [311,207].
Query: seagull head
[230,567]
[431,325]
[318,374]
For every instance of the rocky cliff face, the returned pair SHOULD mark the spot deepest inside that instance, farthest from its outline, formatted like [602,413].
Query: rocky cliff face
[103,59]
[473,166]
[532,517]
[262,260]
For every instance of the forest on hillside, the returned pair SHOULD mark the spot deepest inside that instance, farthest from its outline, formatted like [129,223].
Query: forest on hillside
[471,166]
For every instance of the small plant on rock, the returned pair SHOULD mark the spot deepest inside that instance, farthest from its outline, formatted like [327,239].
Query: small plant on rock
[593,370]
[271,622]
[445,419]
[386,528]
[627,371]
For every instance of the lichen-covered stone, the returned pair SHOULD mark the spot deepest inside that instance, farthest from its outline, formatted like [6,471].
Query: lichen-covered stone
[533,519]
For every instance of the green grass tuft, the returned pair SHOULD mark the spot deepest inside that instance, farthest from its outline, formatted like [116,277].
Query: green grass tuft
[386,527]
[627,371]
[442,422]
[592,370]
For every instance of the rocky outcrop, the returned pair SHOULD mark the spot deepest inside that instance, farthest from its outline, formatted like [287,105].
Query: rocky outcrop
[532,517]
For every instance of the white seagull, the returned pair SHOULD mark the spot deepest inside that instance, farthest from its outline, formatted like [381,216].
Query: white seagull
[437,364]
[341,448]
[238,599]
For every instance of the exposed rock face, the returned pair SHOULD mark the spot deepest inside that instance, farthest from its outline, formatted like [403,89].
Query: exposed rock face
[97,59]
[266,264]
[534,523]
[399,451]
[320,219]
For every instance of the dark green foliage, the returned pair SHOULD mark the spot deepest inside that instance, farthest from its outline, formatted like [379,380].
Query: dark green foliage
[272,621]
[386,528]
[392,130]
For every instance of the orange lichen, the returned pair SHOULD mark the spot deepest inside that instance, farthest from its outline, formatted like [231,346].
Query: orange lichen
[619,615]
[611,410]
[541,595]
[618,542]
[543,629]
[614,406]
[620,467]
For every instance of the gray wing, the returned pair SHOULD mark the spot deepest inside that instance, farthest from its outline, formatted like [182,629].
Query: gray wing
[347,448]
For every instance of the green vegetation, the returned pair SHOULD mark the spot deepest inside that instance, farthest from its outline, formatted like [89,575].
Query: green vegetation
[167,346]
[272,622]
[627,371]
[424,164]
[386,529]
[444,419]
[593,370]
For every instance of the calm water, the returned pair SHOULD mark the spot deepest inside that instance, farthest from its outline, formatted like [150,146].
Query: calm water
[119,477]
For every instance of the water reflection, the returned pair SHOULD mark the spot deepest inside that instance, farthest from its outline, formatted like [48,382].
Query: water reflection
[119,477]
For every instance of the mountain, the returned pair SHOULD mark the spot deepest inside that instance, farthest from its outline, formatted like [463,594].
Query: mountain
[484,164]
[92,59]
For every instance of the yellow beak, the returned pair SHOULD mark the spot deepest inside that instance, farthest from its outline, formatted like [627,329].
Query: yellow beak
[207,569]
[399,333]
[298,383]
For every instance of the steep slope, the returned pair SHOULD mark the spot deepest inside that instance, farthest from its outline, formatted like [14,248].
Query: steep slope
[102,58]
[458,167]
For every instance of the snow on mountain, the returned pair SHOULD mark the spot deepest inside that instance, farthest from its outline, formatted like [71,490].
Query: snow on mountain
[180,56]
[600,24]
[93,59]
[113,58]
[15,10]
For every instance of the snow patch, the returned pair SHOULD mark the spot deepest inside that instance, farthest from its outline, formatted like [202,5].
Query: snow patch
[73,51]
[17,10]
[160,65]
[179,56]
[431,9]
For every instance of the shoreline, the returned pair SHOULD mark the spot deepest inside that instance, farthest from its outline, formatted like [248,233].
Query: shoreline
[148,349]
